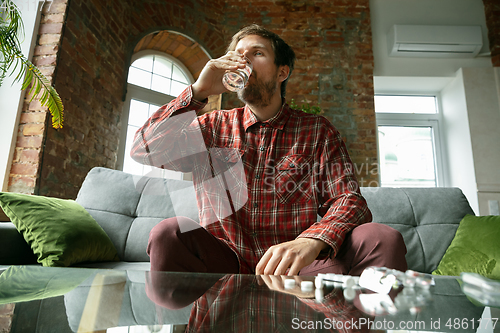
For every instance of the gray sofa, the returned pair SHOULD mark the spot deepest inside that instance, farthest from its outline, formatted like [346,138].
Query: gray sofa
[127,207]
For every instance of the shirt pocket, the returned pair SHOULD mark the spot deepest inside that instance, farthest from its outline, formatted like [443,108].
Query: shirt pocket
[293,179]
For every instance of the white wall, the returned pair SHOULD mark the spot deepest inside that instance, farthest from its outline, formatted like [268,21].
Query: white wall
[11,97]
[456,131]
[471,117]
[483,109]
[386,13]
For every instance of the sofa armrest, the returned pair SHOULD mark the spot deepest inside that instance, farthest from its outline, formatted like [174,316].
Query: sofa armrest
[15,250]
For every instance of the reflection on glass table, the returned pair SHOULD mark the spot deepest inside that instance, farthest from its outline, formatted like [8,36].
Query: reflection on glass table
[86,300]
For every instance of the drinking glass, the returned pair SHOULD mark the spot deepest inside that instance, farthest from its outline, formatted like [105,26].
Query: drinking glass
[235,81]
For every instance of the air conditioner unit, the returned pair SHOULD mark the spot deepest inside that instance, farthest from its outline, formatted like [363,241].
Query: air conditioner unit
[434,41]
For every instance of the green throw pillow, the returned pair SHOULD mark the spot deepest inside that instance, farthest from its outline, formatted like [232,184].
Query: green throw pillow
[475,248]
[60,232]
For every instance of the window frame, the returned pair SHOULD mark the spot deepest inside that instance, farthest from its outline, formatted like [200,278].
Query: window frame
[144,95]
[432,120]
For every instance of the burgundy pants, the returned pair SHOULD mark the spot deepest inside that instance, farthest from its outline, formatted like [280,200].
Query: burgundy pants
[169,249]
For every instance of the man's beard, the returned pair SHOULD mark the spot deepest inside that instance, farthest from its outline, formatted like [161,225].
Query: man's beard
[259,93]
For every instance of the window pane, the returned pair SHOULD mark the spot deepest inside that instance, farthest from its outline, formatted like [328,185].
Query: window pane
[162,67]
[129,165]
[161,84]
[153,72]
[139,77]
[178,75]
[152,109]
[407,156]
[405,104]
[177,88]
[145,63]
[139,113]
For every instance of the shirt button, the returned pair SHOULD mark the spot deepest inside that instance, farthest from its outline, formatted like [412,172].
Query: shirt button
[226,158]
[262,148]
[257,176]
[255,205]
[292,165]
[254,234]
[184,103]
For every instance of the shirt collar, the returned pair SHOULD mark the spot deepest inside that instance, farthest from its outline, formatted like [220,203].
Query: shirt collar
[278,121]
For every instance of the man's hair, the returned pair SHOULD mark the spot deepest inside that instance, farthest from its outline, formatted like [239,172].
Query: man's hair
[283,53]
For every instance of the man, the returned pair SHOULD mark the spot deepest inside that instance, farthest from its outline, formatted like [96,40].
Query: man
[293,166]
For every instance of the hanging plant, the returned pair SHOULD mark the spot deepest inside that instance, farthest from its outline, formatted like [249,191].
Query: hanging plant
[12,61]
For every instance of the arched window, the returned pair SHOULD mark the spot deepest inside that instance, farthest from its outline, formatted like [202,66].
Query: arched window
[154,79]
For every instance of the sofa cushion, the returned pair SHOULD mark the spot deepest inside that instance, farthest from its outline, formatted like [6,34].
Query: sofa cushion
[475,248]
[426,217]
[127,207]
[60,232]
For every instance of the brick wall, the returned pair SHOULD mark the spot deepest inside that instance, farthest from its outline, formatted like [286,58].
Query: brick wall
[6,314]
[26,165]
[334,70]
[92,58]
[492,13]
[89,80]
[98,41]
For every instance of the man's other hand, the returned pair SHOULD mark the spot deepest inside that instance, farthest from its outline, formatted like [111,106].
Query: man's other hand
[292,256]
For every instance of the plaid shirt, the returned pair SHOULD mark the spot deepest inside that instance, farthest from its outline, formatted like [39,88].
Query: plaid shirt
[258,183]
[237,303]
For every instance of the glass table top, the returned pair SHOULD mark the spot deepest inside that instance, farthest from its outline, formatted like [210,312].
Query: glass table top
[85,300]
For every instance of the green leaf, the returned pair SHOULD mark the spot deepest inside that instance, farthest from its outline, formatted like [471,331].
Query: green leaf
[13,61]
[307,108]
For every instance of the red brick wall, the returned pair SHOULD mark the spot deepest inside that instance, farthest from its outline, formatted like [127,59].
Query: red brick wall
[99,39]
[332,39]
[25,171]
[492,13]
[91,78]
[6,314]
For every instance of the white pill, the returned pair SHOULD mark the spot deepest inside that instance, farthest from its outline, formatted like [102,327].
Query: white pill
[332,277]
[349,294]
[289,283]
[319,295]
[318,282]
[306,285]
[349,282]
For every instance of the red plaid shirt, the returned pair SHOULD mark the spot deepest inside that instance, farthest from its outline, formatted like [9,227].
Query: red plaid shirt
[257,183]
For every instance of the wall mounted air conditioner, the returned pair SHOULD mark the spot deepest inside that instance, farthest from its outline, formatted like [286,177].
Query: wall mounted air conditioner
[434,41]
